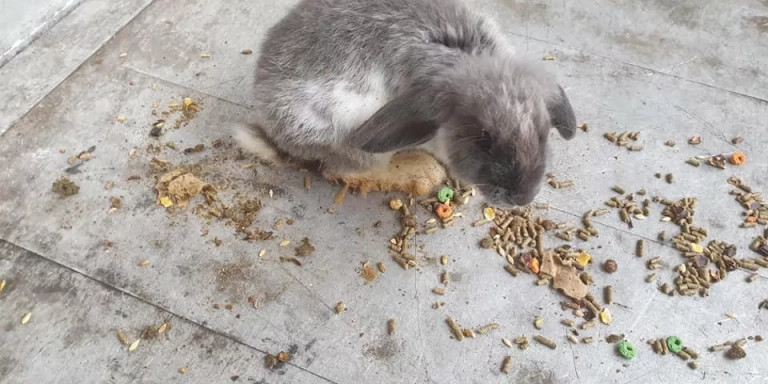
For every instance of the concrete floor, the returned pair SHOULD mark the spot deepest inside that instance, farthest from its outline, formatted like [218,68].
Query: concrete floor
[669,69]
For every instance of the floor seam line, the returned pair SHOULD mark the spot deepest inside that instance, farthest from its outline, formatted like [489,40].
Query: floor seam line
[155,305]
[171,82]
[77,68]
[640,66]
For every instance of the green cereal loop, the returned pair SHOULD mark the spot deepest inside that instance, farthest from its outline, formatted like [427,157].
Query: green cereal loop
[626,350]
[674,344]
[445,195]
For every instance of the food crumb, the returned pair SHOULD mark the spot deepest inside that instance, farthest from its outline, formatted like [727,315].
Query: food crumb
[183,370]
[65,187]
[305,249]
[368,273]
[340,307]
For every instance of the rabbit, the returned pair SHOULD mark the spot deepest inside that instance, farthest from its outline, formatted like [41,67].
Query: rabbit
[348,83]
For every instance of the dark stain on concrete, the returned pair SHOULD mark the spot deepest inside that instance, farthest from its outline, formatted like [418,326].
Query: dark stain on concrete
[382,349]
[681,13]
[760,23]
[528,10]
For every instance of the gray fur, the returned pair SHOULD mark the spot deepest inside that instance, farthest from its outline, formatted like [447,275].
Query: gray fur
[344,81]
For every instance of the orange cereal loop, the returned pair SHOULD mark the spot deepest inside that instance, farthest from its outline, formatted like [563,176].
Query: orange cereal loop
[738,158]
[443,211]
[534,265]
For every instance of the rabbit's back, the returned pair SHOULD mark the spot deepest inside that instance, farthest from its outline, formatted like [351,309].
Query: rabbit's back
[329,65]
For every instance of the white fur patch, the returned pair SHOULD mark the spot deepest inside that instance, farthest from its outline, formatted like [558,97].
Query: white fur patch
[346,107]
[255,144]
[351,108]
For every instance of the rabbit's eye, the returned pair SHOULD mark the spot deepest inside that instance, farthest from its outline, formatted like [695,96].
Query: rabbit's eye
[486,141]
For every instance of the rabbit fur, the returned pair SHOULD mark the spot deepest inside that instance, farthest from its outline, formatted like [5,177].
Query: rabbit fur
[348,83]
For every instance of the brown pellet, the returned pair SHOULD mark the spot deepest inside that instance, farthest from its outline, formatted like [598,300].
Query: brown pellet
[588,340]
[692,365]
[589,324]
[608,294]
[573,339]
[691,353]
[455,328]
[123,338]
[683,355]
[487,328]
[445,278]
[614,338]
[391,324]
[506,366]
[640,248]
[512,270]
[544,341]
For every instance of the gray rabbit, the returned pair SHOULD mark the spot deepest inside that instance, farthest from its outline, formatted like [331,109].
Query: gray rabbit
[348,83]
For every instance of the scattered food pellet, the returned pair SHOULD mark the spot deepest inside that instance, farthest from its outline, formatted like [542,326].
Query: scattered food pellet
[549,57]
[283,357]
[134,345]
[738,158]
[285,243]
[544,341]
[445,195]
[674,344]
[26,317]
[695,140]
[736,352]
[246,52]
[340,307]
[610,266]
[143,263]
[455,329]
[305,249]
[614,338]
[368,273]
[183,370]
[538,323]
[391,327]
[506,342]
[737,140]
[489,213]
[626,350]
[506,365]
[605,316]
[487,328]
[2,285]
[65,187]
[443,211]
[395,204]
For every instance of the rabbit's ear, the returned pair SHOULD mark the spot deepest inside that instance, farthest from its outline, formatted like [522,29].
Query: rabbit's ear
[402,123]
[561,114]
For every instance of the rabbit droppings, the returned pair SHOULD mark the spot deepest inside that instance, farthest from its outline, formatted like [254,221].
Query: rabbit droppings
[350,83]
